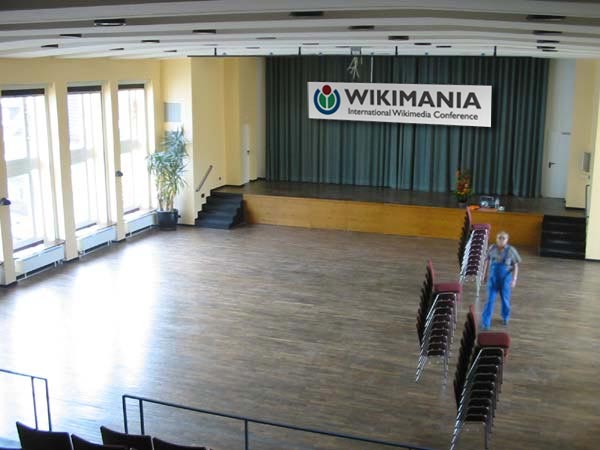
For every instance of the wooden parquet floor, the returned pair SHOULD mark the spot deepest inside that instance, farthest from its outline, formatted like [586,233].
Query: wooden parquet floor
[309,327]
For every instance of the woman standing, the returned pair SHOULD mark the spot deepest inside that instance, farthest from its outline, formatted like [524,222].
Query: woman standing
[502,265]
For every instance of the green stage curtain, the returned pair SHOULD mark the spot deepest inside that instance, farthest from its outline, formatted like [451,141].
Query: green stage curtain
[504,159]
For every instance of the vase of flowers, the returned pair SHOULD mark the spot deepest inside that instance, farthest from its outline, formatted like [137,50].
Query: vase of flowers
[463,187]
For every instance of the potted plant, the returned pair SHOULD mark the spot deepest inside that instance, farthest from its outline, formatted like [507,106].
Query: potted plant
[167,165]
[463,187]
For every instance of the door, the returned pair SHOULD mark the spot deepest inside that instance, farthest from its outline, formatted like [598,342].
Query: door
[556,164]
[245,154]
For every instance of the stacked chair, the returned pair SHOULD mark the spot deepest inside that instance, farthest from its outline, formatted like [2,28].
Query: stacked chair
[478,378]
[436,319]
[34,439]
[472,249]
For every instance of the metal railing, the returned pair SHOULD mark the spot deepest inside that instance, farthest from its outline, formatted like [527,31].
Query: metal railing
[33,395]
[204,178]
[248,420]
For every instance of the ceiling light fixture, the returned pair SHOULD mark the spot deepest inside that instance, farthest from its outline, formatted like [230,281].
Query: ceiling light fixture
[547,41]
[150,41]
[205,31]
[266,38]
[361,27]
[443,46]
[50,46]
[252,48]
[547,32]
[545,18]
[310,43]
[398,38]
[170,51]
[422,43]
[306,13]
[118,49]
[72,35]
[110,22]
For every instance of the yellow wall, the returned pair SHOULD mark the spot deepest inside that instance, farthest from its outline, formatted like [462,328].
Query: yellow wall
[583,131]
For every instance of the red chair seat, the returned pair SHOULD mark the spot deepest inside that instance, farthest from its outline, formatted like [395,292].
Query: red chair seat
[494,339]
[481,226]
[451,286]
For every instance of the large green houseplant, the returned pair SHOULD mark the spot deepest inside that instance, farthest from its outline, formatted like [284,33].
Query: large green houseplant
[167,166]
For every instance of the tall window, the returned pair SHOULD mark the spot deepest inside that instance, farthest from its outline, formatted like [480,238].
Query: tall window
[25,135]
[88,165]
[133,130]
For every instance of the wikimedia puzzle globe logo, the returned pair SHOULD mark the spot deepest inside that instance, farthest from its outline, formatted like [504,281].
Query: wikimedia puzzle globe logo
[327,100]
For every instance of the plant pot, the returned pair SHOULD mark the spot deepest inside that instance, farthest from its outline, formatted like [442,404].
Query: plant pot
[462,204]
[167,220]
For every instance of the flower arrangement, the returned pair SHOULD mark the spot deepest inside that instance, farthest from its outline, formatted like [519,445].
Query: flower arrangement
[463,185]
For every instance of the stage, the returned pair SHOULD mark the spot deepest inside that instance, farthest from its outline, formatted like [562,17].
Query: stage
[389,211]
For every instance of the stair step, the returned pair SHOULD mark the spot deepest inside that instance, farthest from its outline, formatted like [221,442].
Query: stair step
[555,253]
[224,200]
[231,208]
[225,214]
[575,236]
[555,244]
[228,195]
[564,219]
[215,222]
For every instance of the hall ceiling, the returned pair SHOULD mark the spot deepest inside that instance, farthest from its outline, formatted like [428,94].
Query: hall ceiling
[160,29]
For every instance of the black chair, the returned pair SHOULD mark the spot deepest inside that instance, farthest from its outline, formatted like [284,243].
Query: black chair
[82,444]
[159,444]
[32,439]
[131,441]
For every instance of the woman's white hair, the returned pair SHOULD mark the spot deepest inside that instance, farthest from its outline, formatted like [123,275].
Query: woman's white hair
[502,234]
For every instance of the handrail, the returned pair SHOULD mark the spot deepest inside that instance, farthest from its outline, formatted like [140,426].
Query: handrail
[204,178]
[248,420]
[33,396]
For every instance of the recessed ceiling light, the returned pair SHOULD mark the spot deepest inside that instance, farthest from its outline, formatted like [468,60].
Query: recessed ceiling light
[205,31]
[252,48]
[118,49]
[546,47]
[310,43]
[266,38]
[547,41]
[50,46]
[422,43]
[398,38]
[550,50]
[361,27]
[110,22]
[150,41]
[443,46]
[73,35]
[546,32]
[306,13]
[545,18]
[170,51]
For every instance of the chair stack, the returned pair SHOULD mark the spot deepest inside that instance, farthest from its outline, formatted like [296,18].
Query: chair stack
[436,320]
[472,249]
[34,439]
[478,378]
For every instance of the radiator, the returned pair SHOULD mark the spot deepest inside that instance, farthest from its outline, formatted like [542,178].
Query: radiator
[50,256]
[89,242]
[2,277]
[140,223]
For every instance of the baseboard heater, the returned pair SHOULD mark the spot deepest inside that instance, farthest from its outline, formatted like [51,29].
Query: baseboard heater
[140,224]
[94,241]
[39,261]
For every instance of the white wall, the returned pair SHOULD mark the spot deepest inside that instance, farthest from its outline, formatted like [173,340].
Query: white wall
[559,120]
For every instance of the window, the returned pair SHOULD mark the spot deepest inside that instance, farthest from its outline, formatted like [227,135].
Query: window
[25,135]
[88,165]
[133,130]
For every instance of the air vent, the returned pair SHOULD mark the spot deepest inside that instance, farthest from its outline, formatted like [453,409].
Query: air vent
[342,46]
[550,50]
[547,32]
[306,13]
[110,22]
[118,49]
[72,35]
[252,48]
[547,41]
[443,46]
[545,18]
[50,46]
[422,43]
[266,38]
[310,43]
[361,27]
[398,38]
[205,31]
[170,51]
[546,47]
[150,41]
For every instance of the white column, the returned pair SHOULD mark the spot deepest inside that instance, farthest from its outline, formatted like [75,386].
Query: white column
[61,157]
[112,141]
[6,251]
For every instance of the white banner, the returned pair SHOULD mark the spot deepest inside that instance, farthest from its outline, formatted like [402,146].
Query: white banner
[436,104]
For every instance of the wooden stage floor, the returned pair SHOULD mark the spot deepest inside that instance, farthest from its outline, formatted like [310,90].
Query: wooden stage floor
[310,327]
[389,211]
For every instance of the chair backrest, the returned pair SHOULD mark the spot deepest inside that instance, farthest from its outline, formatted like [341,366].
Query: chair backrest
[136,441]
[159,444]
[82,444]
[32,439]
[469,218]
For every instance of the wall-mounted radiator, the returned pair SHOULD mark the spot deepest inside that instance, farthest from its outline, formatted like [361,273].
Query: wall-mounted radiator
[35,262]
